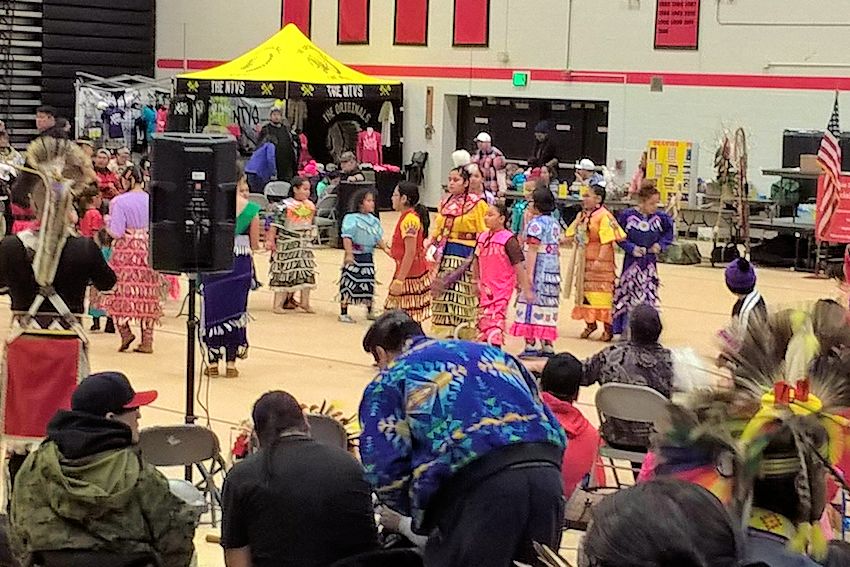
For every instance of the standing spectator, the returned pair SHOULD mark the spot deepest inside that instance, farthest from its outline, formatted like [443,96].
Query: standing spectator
[559,385]
[456,436]
[545,153]
[107,181]
[121,162]
[137,294]
[277,132]
[298,502]
[87,488]
[639,175]
[261,168]
[45,118]
[640,361]
[490,161]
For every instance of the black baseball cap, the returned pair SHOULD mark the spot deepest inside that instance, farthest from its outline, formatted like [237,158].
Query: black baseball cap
[108,392]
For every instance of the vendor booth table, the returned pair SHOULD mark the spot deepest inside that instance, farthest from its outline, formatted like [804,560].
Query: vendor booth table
[333,105]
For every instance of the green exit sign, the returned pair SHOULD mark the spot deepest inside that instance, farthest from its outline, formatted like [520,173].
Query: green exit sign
[520,78]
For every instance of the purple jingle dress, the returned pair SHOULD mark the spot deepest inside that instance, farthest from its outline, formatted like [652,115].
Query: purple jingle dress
[639,280]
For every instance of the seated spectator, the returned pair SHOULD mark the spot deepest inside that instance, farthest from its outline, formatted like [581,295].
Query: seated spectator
[662,523]
[107,181]
[559,385]
[297,502]
[741,280]
[121,162]
[87,488]
[640,361]
[455,435]
[328,184]
[349,168]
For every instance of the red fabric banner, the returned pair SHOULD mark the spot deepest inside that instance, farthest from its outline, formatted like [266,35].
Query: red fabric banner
[472,23]
[838,230]
[677,24]
[411,22]
[353,22]
[41,376]
[297,12]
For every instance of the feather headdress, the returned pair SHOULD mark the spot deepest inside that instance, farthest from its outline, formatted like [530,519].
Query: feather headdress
[62,173]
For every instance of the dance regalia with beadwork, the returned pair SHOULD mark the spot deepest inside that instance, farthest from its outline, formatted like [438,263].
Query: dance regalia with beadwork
[293,266]
[639,280]
[459,222]
[538,319]
[357,282]
[415,296]
[224,319]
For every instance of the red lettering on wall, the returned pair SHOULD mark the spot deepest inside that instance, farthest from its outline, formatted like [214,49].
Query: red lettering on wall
[677,24]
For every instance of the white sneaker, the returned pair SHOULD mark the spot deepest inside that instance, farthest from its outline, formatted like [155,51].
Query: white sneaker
[346,319]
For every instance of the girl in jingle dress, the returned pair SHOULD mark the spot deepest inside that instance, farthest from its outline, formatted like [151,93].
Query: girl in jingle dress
[410,288]
[537,315]
[293,266]
[361,234]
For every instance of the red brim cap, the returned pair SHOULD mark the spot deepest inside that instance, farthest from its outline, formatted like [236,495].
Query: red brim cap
[142,399]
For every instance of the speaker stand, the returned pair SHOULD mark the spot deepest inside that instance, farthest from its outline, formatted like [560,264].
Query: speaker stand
[191,334]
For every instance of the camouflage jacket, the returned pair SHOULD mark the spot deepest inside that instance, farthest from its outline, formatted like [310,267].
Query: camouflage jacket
[110,501]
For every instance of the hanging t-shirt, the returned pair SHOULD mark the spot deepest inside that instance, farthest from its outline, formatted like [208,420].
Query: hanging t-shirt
[113,117]
[161,119]
[180,117]
[149,116]
[369,148]
[140,135]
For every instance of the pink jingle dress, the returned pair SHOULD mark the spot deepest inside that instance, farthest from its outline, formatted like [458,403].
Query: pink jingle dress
[497,281]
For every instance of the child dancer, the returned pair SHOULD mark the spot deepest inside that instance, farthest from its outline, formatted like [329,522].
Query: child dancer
[293,267]
[498,266]
[92,226]
[411,283]
[537,316]
[361,234]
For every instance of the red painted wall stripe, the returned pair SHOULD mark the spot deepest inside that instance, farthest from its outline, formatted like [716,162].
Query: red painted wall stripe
[411,22]
[353,22]
[297,12]
[717,80]
[472,23]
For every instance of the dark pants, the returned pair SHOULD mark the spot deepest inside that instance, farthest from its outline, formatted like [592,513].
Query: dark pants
[255,184]
[497,522]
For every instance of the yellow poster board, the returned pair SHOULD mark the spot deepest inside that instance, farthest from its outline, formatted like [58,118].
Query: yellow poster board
[670,163]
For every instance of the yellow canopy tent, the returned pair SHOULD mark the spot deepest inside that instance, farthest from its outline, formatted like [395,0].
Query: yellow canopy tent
[287,65]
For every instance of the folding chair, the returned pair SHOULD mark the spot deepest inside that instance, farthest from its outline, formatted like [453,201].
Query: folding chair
[276,191]
[260,200]
[327,431]
[325,219]
[187,445]
[628,402]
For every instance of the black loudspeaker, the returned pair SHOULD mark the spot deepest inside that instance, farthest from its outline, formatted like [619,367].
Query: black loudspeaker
[193,202]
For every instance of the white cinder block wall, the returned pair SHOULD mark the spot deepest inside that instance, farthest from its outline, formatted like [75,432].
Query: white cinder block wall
[766,65]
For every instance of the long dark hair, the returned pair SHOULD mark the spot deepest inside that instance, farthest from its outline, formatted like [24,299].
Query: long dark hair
[297,181]
[623,534]
[410,191]
[359,196]
[274,414]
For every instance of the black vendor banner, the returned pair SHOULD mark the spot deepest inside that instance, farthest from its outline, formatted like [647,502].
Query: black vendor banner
[284,89]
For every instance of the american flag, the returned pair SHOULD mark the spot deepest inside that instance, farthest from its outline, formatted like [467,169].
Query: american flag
[829,158]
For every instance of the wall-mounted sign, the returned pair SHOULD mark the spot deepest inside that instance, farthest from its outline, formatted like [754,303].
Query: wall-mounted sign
[677,24]
[520,78]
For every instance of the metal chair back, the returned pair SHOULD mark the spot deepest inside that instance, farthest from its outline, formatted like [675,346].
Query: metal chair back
[178,445]
[277,190]
[327,431]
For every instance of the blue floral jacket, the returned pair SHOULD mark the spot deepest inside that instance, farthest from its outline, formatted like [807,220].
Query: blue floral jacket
[439,406]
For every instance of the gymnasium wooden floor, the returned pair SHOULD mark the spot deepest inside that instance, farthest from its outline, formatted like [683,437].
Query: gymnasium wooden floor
[317,358]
